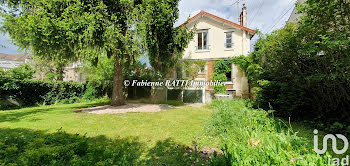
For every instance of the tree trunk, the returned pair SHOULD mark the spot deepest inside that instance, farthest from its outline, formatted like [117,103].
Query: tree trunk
[60,73]
[118,93]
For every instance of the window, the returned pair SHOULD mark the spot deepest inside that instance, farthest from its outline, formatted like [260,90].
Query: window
[202,40]
[228,42]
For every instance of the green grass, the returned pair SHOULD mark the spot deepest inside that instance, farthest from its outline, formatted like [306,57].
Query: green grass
[182,124]
[170,137]
[253,137]
[303,130]
[167,133]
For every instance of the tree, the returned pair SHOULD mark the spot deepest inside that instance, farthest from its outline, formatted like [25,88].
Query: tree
[302,70]
[71,29]
[36,26]
[164,42]
[67,30]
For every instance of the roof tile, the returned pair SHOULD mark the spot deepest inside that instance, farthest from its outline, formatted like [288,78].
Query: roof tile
[218,18]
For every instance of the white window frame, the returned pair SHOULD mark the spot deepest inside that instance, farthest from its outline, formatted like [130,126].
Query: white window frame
[201,31]
[225,40]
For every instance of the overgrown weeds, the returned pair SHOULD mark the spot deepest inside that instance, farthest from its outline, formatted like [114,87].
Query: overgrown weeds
[252,137]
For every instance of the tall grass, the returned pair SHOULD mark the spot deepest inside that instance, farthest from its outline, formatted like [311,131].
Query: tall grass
[252,137]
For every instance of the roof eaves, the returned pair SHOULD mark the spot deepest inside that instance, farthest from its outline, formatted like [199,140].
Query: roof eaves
[202,12]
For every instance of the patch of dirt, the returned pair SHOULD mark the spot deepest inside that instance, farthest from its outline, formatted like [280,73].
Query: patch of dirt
[206,153]
[195,105]
[132,107]
[107,109]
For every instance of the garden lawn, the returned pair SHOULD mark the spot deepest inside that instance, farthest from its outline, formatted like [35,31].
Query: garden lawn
[180,124]
[169,137]
[166,137]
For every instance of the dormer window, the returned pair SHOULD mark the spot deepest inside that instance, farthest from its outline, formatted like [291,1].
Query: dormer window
[228,40]
[202,40]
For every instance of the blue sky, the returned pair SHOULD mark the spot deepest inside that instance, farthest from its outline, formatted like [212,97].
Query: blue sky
[265,15]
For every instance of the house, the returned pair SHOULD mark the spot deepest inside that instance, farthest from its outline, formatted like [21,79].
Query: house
[8,61]
[71,73]
[294,17]
[219,39]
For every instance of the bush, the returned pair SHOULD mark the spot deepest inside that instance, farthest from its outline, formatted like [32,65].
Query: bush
[30,92]
[221,78]
[302,70]
[251,137]
[26,147]
[22,72]
[97,89]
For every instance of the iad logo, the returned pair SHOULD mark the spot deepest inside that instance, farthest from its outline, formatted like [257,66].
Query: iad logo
[334,143]
[335,161]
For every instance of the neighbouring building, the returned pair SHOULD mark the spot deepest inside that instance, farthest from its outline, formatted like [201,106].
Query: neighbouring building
[218,39]
[10,61]
[71,73]
[294,17]
[74,73]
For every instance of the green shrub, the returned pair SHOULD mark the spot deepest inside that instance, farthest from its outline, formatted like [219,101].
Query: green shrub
[306,66]
[22,72]
[96,89]
[221,78]
[30,92]
[251,137]
[26,147]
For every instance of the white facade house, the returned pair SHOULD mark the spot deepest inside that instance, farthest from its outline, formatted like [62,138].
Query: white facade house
[219,39]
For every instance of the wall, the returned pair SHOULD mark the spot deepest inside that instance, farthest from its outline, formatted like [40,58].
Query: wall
[216,41]
[74,74]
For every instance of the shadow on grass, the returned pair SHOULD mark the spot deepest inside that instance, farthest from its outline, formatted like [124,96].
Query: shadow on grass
[30,147]
[13,116]
[17,115]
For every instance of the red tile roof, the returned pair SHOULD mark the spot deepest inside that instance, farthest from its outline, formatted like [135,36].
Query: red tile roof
[218,18]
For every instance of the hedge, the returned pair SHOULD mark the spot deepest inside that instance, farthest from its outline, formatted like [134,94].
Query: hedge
[30,92]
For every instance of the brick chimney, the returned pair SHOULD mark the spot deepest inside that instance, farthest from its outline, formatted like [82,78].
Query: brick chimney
[243,16]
